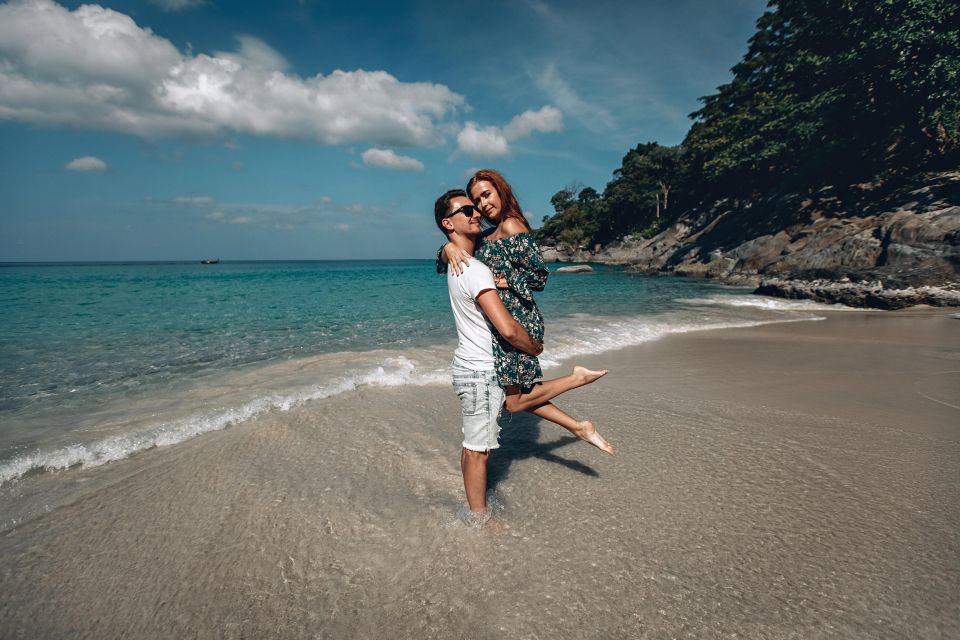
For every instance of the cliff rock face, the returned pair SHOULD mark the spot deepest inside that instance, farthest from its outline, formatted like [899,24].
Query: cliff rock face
[864,246]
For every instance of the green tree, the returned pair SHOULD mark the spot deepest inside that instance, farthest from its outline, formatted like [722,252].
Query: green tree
[639,193]
[833,91]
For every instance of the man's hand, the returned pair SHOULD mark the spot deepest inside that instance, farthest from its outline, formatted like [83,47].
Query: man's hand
[511,330]
[539,346]
[501,282]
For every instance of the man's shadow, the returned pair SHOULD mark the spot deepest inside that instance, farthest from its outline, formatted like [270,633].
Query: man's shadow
[518,441]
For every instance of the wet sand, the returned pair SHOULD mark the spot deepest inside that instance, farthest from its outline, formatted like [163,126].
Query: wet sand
[786,481]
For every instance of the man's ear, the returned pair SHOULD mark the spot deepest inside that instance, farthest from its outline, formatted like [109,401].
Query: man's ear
[447,224]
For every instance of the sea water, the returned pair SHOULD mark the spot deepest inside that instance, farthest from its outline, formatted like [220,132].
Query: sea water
[100,361]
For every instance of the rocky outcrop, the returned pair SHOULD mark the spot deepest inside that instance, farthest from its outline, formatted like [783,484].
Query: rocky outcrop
[867,246]
[580,268]
[857,294]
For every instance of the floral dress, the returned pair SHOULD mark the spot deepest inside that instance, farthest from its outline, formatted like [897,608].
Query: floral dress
[518,259]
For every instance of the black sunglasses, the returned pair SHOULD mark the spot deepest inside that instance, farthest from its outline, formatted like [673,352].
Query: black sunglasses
[467,210]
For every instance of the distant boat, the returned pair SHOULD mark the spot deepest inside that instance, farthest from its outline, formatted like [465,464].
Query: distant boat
[214,261]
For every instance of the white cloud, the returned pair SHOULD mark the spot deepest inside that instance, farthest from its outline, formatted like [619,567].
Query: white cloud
[488,142]
[193,201]
[492,142]
[546,120]
[387,159]
[95,68]
[342,226]
[255,52]
[86,163]
[176,5]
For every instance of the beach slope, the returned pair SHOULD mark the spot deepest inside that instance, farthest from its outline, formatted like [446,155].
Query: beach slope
[794,480]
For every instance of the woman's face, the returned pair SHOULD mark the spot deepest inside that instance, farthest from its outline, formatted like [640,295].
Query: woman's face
[486,198]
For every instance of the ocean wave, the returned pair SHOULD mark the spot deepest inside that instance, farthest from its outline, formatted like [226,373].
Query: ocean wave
[762,302]
[613,334]
[242,396]
[394,371]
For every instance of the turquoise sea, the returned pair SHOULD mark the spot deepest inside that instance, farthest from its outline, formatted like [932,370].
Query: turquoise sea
[99,361]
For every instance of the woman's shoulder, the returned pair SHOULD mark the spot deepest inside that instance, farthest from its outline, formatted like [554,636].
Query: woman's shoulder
[512,227]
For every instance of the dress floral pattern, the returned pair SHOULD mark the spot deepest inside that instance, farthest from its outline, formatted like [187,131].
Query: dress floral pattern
[519,260]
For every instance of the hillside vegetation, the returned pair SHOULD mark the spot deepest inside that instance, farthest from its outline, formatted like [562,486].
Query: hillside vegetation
[833,100]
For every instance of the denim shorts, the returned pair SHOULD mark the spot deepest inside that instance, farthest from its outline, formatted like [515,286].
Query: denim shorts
[481,400]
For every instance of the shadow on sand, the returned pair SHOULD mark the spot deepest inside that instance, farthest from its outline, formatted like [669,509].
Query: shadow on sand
[518,441]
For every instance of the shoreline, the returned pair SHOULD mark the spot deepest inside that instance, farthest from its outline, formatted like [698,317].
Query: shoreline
[784,480]
[120,427]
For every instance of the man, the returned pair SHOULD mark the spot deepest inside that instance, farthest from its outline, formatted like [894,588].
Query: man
[474,300]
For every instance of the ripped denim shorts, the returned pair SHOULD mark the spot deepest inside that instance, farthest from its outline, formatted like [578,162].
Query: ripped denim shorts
[481,400]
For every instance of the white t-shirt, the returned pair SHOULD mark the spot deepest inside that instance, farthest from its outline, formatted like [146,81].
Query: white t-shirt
[475,346]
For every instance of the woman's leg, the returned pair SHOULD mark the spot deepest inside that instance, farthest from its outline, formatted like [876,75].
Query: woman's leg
[583,429]
[518,399]
[536,400]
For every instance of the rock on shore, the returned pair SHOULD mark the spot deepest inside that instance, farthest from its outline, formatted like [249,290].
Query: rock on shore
[580,268]
[865,246]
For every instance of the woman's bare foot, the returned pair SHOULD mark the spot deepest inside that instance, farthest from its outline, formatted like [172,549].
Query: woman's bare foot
[588,375]
[588,433]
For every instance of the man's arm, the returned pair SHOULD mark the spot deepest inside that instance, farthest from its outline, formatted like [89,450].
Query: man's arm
[511,330]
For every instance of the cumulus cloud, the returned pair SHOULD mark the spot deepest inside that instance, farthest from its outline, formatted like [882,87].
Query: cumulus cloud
[86,163]
[95,68]
[387,159]
[492,142]
[176,5]
[546,120]
[482,141]
[255,52]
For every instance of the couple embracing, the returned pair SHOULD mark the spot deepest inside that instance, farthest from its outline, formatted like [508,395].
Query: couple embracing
[490,276]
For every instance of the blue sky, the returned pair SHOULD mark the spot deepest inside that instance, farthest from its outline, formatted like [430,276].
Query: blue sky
[183,129]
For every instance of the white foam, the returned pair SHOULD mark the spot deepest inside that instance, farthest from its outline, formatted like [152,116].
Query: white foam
[286,385]
[764,302]
[608,334]
[393,372]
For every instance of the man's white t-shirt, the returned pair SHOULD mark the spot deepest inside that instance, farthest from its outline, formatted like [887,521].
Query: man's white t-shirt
[475,346]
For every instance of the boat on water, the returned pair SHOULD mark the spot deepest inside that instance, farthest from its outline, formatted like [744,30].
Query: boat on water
[214,261]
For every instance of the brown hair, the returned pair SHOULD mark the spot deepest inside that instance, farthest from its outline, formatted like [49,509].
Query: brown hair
[511,208]
[443,203]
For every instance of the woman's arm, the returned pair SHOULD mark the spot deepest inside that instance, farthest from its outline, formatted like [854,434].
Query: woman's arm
[529,272]
[453,255]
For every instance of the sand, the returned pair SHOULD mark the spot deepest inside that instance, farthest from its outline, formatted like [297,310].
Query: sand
[787,481]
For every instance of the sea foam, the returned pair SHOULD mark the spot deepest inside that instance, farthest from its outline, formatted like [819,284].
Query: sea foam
[289,384]
[394,371]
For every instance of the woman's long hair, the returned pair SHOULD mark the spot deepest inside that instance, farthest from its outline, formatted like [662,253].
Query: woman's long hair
[508,201]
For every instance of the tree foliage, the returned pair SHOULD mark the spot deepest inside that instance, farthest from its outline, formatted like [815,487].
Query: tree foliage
[833,91]
[829,92]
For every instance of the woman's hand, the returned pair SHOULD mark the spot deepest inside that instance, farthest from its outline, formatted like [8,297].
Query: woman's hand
[457,258]
[501,282]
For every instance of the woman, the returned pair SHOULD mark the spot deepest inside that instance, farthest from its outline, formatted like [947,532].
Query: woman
[512,254]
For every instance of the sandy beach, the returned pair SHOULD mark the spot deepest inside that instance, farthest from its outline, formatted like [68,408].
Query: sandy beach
[794,480]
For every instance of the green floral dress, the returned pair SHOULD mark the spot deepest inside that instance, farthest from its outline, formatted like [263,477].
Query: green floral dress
[518,259]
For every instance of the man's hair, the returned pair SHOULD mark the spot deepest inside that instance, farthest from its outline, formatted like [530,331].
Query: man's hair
[442,204]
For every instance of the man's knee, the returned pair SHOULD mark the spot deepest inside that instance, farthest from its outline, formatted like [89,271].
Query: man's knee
[476,456]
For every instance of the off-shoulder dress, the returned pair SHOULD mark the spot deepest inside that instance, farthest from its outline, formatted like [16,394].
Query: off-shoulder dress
[519,260]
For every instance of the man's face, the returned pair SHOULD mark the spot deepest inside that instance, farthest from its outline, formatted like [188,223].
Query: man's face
[461,223]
